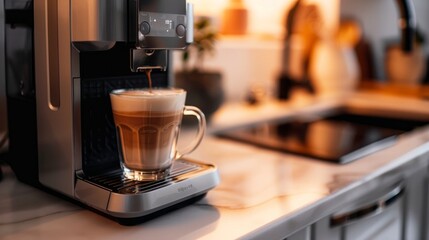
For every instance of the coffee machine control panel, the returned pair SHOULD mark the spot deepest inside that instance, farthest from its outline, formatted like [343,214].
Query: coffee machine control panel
[162,24]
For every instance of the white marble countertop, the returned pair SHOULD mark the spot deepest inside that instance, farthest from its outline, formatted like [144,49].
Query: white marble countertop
[261,191]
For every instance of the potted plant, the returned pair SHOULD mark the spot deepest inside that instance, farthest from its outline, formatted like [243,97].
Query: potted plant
[204,87]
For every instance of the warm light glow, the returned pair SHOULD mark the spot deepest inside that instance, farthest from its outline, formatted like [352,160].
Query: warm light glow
[268,17]
[330,10]
[207,7]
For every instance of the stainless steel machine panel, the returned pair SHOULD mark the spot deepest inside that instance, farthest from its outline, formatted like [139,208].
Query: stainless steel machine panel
[3,114]
[99,20]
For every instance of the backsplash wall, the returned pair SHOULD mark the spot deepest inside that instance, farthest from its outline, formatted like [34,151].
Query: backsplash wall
[256,58]
[379,20]
[267,17]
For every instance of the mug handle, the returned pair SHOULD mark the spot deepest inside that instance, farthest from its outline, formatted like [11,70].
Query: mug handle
[194,111]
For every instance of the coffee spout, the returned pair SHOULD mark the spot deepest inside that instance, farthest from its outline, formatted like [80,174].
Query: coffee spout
[144,59]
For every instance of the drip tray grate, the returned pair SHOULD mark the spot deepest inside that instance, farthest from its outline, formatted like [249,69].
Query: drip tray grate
[115,181]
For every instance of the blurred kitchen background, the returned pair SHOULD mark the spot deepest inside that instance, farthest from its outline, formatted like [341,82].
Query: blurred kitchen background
[330,46]
[249,51]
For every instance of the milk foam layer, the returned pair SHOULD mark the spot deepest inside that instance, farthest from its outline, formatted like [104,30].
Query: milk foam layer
[159,100]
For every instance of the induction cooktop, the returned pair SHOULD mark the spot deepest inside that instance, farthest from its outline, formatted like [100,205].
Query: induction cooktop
[340,137]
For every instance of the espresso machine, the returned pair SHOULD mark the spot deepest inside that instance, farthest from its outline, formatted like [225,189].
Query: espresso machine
[63,57]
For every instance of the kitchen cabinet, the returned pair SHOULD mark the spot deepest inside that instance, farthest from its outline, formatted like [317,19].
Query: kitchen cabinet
[416,204]
[304,234]
[426,204]
[379,217]
[386,212]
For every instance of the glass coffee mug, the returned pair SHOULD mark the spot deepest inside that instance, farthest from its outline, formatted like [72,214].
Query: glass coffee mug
[148,125]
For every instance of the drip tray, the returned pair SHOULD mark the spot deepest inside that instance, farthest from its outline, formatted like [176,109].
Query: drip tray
[118,196]
[116,182]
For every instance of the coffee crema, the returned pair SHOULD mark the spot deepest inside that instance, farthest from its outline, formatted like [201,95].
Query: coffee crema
[157,100]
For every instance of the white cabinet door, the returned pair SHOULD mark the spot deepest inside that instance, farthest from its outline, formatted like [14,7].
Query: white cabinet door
[380,217]
[416,204]
[304,234]
[386,225]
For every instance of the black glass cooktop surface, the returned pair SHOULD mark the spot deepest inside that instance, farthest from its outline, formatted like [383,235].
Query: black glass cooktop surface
[340,138]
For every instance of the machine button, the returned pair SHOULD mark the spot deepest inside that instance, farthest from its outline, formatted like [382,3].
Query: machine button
[181,30]
[145,28]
